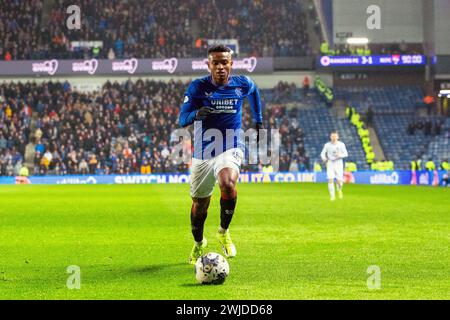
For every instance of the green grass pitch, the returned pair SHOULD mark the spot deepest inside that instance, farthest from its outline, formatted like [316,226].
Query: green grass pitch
[133,241]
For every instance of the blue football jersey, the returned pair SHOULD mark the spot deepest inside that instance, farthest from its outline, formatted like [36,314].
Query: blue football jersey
[227,103]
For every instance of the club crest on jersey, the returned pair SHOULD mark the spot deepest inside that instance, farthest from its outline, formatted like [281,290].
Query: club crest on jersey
[238,92]
[237,155]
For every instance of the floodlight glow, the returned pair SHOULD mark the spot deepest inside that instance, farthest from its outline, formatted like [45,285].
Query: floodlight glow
[356,41]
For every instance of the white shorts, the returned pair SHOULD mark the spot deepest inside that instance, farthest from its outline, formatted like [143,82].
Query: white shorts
[204,173]
[335,170]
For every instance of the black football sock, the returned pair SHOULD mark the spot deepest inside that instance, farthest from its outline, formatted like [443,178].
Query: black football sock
[197,224]
[226,211]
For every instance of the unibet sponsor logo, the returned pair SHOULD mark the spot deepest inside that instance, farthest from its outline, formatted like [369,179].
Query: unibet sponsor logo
[224,105]
[224,102]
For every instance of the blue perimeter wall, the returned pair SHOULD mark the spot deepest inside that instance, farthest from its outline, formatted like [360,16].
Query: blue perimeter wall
[362,177]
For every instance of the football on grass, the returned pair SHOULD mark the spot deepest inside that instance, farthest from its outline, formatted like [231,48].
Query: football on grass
[211,268]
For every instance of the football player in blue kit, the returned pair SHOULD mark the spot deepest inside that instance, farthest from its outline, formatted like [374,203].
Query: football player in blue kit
[215,103]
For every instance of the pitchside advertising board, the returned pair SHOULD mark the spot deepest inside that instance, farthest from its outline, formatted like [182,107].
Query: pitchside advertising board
[363,177]
[126,66]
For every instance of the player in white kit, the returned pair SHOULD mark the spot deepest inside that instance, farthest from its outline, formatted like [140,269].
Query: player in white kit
[332,155]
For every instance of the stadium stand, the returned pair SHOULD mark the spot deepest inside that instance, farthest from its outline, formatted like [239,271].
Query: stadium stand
[54,130]
[438,148]
[120,130]
[315,120]
[383,99]
[20,25]
[15,118]
[397,144]
[403,135]
[318,121]
[146,29]
[264,28]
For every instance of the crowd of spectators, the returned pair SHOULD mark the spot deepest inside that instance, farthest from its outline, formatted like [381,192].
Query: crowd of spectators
[150,29]
[124,129]
[21,35]
[428,126]
[263,27]
[15,117]
[139,29]
[292,154]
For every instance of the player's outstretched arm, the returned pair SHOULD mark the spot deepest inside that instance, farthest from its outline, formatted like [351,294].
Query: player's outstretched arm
[256,107]
[255,104]
[188,110]
[187,116]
